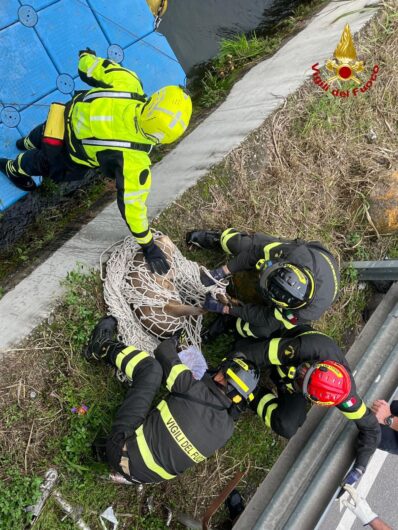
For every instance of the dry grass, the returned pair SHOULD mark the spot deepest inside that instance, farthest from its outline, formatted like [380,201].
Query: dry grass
[308,170]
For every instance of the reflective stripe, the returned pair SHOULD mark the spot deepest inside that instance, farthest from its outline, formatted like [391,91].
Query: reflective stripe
[273,351]
[268,248]
[248,331]
[147,456]
[107,143]
[278,315]
[270,410]
[313,333]
[336,283]
[225,237]
[118,143]
[237,380]
[239,327]
[145,239]
[263,401]
[92,67]
[174,373]
[357,414]
[178,434]
[107,94]
[19,160]
[101,118]
[129,369]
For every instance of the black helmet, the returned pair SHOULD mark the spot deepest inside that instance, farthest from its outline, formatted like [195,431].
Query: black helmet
[287,285]
[242,377]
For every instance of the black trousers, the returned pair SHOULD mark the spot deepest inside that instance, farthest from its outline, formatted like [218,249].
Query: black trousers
[36,162]
[389,437]
[289,415]
[134,409]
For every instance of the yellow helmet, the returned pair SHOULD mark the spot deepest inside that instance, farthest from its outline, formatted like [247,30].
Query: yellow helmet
[166,114]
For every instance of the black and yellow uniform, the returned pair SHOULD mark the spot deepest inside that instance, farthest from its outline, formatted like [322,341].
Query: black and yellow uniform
[251,251]
[101,131]
[185,428]
[286,412]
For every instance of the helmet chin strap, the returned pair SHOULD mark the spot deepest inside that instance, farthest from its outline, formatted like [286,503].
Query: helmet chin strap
[141,130]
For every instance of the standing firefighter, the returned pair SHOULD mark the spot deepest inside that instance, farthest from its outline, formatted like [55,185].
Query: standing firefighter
[112,127]
[307,366]
[194,420]
[298,280]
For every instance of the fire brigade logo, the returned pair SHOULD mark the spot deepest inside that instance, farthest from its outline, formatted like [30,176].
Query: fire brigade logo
[344,67]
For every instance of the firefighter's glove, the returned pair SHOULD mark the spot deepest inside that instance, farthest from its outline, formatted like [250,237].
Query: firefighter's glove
[87,50]
[358,506]
[155,258]
[216,275]
[350,479]
[213,305]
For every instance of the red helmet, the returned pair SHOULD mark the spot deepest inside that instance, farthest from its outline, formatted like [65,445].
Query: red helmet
[326,383]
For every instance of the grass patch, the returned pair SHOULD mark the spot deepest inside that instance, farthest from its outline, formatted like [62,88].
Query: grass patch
[40,385]
[50,224]
[212,82]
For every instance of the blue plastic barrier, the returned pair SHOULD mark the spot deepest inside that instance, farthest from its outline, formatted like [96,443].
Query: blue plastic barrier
[39,44]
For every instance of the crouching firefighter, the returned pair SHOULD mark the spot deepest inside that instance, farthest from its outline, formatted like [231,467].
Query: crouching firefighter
[112,127]
[195,419]
[306,366]
[297,280]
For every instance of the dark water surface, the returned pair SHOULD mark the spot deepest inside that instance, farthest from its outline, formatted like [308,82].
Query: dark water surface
[194,28]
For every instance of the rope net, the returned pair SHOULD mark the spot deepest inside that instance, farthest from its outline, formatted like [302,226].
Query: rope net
[149,307]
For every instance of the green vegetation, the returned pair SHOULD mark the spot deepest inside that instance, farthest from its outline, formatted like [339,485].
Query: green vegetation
[50,224]
[16,493]
[240,53]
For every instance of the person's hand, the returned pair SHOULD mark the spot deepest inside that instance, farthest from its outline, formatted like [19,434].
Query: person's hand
[350,479]
[214,306]
[87,50]
[381,410]
[216,275]
[359,506]
[155,258]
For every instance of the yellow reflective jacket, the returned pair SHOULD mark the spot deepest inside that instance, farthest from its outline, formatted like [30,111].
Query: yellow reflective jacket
[103,131]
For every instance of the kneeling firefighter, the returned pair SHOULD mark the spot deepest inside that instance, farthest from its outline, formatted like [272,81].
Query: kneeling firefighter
[306,366]
[112,127]
[298,280]
[195,419]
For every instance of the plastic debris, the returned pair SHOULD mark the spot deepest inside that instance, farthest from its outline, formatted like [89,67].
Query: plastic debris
[193,358]
[74,512]
[371,136]
[50,479]
[81,410]
[109,515]
[149,504]
[32,394]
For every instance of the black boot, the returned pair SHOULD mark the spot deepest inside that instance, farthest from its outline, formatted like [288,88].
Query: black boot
[203,238]
[101,340]
[25,144]
[235,505]
[23,182]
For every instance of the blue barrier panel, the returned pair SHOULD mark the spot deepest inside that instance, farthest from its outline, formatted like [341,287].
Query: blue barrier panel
[39,44]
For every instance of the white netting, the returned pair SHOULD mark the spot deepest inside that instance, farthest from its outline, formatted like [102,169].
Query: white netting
[148,306]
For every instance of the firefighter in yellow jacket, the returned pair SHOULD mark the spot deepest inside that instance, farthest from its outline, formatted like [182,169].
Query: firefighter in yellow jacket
[112,127]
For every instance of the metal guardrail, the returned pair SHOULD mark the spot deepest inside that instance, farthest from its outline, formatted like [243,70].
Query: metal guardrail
[306,475]
[386,270]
